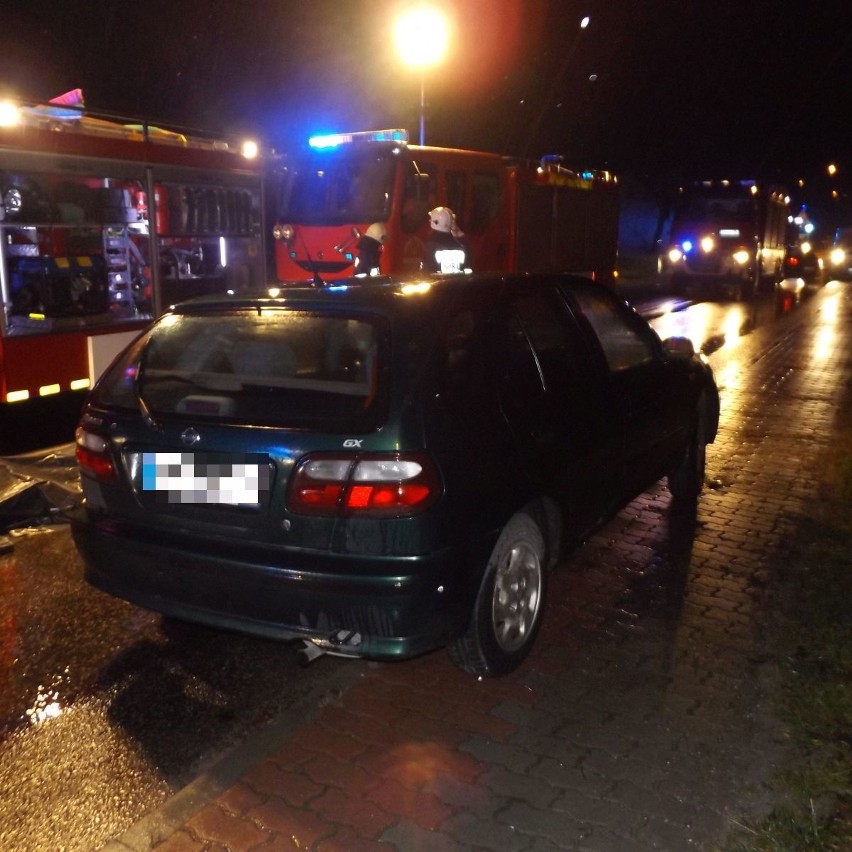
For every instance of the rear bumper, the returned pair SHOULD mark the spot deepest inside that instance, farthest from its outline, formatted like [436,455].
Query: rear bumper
[386,607]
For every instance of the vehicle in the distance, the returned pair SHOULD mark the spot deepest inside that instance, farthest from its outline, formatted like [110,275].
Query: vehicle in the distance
[381,467]
[728,238]
[840,256]
[803,261]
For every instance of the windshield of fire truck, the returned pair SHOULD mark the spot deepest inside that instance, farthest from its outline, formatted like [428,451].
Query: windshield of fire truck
[715,205]
[338,187]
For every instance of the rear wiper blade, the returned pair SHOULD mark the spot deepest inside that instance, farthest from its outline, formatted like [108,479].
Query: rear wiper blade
[147,417]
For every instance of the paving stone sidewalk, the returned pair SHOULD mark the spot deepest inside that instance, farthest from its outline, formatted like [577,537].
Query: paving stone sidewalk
[641,720]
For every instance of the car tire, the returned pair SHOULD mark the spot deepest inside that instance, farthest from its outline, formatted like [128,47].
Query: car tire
[508,608]
[686,479]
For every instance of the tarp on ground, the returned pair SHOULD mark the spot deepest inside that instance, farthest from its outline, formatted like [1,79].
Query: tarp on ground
[38,488]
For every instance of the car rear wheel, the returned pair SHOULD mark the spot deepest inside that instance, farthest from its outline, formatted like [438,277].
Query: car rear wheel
[686,479]
[508,607]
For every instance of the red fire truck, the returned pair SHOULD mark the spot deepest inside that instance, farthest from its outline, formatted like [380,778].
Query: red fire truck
[104,222]
[516,216]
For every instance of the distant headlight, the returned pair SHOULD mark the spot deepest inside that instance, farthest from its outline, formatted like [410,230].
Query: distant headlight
[838,257]
[742,257]
[707,244]
[675,255]
[283,232]
[250,149]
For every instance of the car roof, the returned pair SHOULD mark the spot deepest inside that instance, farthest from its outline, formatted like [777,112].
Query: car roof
[381,294]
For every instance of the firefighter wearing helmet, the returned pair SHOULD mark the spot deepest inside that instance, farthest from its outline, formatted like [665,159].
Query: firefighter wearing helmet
[370,249]
[445,251]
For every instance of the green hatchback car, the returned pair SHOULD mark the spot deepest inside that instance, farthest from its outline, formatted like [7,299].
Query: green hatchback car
[381,467]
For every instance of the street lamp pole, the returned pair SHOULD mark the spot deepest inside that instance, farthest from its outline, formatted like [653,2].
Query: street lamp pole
[422,107]
[421,40]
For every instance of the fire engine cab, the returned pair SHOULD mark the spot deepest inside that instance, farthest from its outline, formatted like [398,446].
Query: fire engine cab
[515,215]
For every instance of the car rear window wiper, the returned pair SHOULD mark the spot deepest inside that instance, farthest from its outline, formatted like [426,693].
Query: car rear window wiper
[147,417]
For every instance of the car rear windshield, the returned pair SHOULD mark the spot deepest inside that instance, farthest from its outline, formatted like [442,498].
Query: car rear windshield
[267,367]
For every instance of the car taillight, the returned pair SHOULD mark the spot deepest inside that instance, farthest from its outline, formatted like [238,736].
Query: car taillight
[93,455]
[389,485]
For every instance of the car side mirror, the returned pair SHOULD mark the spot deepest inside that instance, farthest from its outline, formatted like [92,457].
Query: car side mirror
[679,347]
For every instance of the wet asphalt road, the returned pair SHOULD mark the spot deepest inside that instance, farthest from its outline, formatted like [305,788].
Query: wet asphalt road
[107,710]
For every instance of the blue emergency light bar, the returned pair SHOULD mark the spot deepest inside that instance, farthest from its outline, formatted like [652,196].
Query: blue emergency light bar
[334,140]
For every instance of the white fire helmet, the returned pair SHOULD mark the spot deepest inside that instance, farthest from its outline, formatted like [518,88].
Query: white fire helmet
[442,219]
[378,232]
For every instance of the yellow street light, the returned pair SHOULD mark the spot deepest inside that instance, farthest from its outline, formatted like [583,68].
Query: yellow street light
[422,35]
[10,114]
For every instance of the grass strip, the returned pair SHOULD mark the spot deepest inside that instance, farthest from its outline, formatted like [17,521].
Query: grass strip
[811,642]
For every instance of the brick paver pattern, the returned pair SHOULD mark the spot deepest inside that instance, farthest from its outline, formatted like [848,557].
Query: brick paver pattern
[641,719]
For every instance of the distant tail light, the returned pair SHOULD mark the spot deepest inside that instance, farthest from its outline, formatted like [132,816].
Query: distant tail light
[93,455]
[389,485]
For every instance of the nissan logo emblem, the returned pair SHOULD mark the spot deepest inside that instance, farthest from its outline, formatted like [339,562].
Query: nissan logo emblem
[190,436]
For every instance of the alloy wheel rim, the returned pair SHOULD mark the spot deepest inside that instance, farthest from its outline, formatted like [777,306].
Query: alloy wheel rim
[517,597]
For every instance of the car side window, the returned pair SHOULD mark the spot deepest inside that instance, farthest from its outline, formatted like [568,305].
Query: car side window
[553,335]
[521,380]
[623,343]
[455,351]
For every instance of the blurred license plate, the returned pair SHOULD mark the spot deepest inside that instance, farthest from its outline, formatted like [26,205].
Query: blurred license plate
[207,479]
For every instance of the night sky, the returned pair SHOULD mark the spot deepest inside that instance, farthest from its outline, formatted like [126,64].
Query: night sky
[682,89]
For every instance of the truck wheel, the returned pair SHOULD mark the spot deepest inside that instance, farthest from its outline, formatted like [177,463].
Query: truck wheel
[507,613]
